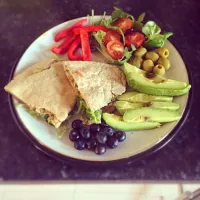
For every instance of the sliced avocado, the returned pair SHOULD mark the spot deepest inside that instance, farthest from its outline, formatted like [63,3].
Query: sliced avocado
[123,106]
[150,83]
[148,114]
[117,122]
[141,97]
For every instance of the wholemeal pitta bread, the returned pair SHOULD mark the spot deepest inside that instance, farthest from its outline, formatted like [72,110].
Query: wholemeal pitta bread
[45,88]
[96,82]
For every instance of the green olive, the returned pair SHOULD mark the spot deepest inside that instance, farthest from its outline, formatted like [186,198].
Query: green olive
[148,65]
[163,52]
[165,62]
[159,69]
[152,56]
[140,52]
[136,61]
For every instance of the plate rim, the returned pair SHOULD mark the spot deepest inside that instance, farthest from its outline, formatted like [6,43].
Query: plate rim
[72,160]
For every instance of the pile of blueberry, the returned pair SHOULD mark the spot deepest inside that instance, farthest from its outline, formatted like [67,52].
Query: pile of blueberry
[95,137]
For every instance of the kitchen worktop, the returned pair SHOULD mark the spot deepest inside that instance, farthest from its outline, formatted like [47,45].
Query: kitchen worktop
[23,21]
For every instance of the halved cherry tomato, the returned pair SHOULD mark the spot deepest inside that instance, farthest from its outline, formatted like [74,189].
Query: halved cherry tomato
[135,38]
[124,23]
[115,49]
[111,35]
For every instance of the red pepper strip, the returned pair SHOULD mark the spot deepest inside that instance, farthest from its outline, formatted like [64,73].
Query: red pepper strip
[85,44]
[62,34]
[90,29]
[71,52]
[64,46]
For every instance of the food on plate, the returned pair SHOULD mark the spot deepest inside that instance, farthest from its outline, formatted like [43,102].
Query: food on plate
[45,89]
[141,97]
[134,38]
[163,52]
[150,114]
[150,83]
[151,61]
[148,65]
[152,56]
[96,93]
[118,123]
[124,23]
[97,83]
[140,52]
[164,62]
[95,137]
[123,106]
[136,61]
[159,70]
[73,37]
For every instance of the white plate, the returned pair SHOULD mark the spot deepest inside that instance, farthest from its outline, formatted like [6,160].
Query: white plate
[137,143]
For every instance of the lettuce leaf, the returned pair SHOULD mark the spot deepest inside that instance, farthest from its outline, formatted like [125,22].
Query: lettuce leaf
[93,115]
[152,32]
[118,13]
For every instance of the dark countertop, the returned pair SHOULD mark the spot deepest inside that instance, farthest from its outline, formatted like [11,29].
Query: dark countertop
[22,22]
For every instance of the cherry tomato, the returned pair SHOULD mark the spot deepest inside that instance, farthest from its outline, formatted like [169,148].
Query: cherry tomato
[135,38]
[111,35]
[124,23]
[115,49]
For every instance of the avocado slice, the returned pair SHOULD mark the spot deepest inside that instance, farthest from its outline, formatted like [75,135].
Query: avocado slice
[141,97]
[123,106]
[148,114]
[117,122]
[150,83]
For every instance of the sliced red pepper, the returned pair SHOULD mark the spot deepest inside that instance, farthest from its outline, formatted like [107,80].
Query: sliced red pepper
[62,34]
[64,46]
[71,52]
[90,29]
[85,44]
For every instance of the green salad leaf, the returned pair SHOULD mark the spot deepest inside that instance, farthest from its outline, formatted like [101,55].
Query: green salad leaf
[118,13]
[138,24]
[152,32]
[150,29]
[62,129]
[93,115]
[56,57]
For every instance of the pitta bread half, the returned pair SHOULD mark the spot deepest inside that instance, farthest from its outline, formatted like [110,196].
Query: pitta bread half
[96,82]
[45,88]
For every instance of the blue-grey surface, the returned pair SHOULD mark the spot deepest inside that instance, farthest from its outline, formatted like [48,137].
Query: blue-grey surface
[21,22]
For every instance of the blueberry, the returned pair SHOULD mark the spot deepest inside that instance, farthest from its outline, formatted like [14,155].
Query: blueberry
[91,144]
[101,137]
[107,130]
[112,142]
[103,124]
[85,133]
[100,149]
[77,124]
[74,135]
[94,128]
[120,135]
[80,144]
